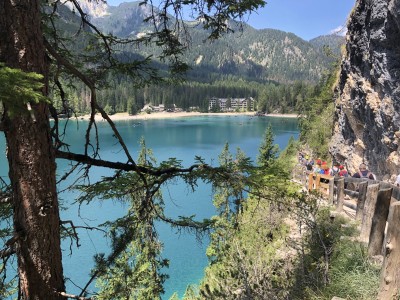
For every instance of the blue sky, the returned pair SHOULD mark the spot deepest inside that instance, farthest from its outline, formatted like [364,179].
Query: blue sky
[305,18]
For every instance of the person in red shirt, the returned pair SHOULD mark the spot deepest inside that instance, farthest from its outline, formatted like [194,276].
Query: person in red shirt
[343,172]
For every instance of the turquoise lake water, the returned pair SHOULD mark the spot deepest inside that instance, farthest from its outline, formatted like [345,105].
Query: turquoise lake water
[182,138]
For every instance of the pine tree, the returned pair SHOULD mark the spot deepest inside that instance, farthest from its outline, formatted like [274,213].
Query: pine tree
[268,151]
[32,41]
[135,271]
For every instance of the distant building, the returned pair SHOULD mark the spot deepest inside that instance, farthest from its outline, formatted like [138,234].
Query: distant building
[231,104]
[153,108]
[147,108]
[160,108]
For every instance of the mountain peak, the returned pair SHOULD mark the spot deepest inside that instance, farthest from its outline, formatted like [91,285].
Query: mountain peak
[93,8]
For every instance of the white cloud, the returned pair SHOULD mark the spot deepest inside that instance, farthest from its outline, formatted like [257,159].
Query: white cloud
[340,30]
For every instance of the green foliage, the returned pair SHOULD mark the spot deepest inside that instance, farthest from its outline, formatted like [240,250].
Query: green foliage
[243,252]
[108,110]
[288,157]
[132,268]
[246,263]
[268,151]
[332,43]
[317,114]
[132,271]
[10,288]
[320,131]
[287,82]
[18,88]
[244,52]
[246,260]
[174,296]
[228,198]
[330,263]
[353,275]
[122,95]
[191,293]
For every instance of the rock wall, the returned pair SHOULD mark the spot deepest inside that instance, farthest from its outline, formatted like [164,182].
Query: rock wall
[367,117]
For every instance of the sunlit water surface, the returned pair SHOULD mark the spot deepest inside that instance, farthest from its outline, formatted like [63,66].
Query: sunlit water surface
[182,138]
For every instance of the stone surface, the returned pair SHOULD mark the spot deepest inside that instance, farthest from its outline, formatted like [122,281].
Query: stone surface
[367,117]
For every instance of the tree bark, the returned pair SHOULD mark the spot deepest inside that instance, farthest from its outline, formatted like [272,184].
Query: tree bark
[390,273]
[362,193]
[368,213]
[331,190]
[340,195]
[31,159]
[378,226]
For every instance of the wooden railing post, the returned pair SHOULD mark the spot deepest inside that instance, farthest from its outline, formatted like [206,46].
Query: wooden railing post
[317,181]
[331,190]
[340,194]
[362,193]
[368,212]
[379,222]
[310,181]
[390,273]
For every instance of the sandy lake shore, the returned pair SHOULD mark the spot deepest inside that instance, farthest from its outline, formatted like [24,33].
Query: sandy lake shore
[169,115]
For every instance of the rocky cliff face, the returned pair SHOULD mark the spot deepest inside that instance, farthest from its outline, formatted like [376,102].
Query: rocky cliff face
[367,124]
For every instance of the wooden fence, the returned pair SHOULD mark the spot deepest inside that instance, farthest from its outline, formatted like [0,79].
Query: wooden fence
[377,208]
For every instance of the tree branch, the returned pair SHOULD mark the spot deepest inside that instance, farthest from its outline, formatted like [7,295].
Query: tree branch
[5,198]
[7,252]
[9,247]
[91,85]
[125,166]
[70,296]
[74,232]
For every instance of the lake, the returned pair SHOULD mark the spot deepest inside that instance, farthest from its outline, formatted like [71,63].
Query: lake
[182,138]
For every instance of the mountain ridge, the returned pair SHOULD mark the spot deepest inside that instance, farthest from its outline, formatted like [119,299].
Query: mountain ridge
[257,54]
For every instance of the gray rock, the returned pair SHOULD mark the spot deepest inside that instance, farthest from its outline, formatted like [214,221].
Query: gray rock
[367,112]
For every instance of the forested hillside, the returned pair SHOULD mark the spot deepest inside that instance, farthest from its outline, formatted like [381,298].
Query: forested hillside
[266,54]
[276,68]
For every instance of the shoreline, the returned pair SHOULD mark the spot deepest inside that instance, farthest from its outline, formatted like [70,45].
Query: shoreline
[170,115]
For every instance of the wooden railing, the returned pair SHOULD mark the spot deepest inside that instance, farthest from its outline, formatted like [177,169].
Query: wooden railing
[377,209]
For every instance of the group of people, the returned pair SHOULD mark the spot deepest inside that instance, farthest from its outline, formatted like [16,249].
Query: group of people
[319,166]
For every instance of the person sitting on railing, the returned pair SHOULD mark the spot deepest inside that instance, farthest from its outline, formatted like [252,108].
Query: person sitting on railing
[325,170]
[343,172]
[364,173]
[317,168]
[304,161]
[310,163]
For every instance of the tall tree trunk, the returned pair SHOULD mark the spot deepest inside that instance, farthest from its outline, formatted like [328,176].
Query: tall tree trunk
[31,159]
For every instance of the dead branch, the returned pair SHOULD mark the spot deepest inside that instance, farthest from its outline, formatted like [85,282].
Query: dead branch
[74,235]
[81,227]
[5,198]
[70,296]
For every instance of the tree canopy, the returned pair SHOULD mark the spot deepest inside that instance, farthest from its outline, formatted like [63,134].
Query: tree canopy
[42,53]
